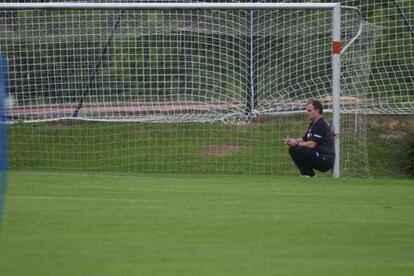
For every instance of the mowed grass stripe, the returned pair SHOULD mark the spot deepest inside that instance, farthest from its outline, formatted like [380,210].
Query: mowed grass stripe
[103,224]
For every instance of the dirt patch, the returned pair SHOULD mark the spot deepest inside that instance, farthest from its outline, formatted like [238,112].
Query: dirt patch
[393,136]
[390,122]
[393,124]
[220,149]
[411,123]
[391,127]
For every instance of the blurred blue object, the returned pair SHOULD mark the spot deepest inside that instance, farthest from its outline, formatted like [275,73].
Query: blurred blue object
[3,131]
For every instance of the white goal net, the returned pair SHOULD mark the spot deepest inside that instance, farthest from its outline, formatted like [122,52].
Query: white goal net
[253,69]
[179,65]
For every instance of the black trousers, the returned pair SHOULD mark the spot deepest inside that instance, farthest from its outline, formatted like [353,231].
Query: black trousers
[307,160]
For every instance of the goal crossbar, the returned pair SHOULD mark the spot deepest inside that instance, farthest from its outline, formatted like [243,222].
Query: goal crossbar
[166,6]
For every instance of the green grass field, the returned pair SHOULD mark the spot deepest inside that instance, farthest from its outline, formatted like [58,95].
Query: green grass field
[119,224]
[194,148]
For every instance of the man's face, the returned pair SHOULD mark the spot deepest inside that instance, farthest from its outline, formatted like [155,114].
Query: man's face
[311,112]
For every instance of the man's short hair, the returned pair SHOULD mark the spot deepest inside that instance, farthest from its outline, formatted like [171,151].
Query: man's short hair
[316,105]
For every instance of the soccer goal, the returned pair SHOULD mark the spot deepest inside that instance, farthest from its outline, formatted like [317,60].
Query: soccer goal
[229,66]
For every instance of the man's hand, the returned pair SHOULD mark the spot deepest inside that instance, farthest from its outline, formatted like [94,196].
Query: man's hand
[290,142]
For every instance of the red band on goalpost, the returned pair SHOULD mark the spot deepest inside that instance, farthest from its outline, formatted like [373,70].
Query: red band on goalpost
[336,47]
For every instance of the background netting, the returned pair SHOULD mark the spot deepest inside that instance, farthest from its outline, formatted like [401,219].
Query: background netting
[229,83]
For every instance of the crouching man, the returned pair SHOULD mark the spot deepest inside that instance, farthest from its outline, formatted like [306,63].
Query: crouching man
[316,149]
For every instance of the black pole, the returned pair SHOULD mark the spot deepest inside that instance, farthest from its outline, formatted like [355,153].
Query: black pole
[405,18]
[251,95]
[98,64]
[186,61]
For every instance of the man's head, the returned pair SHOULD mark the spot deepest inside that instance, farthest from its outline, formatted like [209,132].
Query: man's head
[314,110]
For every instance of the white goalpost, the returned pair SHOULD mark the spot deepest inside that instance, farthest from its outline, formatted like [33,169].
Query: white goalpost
[177,62]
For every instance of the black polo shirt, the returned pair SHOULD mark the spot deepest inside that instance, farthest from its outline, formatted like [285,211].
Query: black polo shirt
[321,133]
